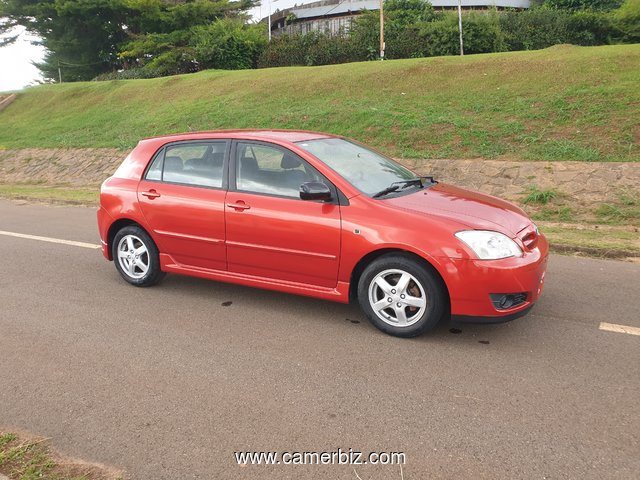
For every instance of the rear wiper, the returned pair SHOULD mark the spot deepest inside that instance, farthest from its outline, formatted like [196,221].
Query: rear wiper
[395,186]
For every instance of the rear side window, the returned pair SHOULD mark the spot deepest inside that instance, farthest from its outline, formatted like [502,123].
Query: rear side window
[197,164]
[155,170]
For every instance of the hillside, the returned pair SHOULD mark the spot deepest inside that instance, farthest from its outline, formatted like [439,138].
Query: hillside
[562,103]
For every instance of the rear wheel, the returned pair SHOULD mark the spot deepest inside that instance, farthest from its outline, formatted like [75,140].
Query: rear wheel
[400,296]
[136,257]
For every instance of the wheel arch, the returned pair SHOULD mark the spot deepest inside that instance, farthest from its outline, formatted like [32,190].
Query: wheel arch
[370,257]
[115,227]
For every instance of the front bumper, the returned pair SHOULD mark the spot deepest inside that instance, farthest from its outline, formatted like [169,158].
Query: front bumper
[471,282]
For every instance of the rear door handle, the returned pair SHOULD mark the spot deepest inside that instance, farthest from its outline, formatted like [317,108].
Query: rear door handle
[151,194]
[240,205]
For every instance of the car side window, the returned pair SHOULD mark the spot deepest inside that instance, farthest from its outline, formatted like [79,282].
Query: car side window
[154,173]
[272,170]
[197,164]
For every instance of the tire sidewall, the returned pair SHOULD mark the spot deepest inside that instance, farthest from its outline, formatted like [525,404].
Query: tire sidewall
[154,274]
[429,282]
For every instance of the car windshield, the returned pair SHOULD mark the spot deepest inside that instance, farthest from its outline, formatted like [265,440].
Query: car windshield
[365,169]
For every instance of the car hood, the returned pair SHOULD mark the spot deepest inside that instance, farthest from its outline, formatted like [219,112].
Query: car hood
[476,210]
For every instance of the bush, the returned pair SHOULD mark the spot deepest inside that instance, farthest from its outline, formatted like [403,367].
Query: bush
[228,44]
[627,20]
[589,28]
[577,5]
[534,28]
[481,34]
[130,74]
[314,48]
[440,37]
[543,27]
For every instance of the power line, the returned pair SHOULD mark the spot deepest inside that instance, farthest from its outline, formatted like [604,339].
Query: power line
[66,64]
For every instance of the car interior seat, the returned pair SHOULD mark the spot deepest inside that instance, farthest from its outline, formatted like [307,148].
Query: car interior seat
[293,175]
[173,164]
[249,168]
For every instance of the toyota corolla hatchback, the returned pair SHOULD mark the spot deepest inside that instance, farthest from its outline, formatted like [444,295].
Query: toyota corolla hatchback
[319,215]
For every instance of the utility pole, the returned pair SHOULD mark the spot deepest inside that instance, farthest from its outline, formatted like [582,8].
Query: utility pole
[59,73]
[381,31]
[460,26]
[269,21]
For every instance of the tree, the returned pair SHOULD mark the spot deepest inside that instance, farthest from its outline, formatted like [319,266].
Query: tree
[163,34]
[80,36]
[85,38]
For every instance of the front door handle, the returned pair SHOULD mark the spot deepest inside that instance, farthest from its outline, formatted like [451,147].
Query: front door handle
[151,194]
[239,206]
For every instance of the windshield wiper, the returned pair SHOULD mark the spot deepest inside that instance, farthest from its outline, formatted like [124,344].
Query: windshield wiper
[395,186]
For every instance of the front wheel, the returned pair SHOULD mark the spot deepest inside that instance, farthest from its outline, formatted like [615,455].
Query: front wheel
[400,296]
[136,257]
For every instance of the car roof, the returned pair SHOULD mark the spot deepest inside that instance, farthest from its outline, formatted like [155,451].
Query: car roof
[248,134]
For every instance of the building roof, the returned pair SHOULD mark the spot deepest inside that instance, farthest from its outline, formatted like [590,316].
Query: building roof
[337,7]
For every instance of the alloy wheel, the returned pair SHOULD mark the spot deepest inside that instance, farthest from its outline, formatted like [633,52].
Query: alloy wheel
[397,298]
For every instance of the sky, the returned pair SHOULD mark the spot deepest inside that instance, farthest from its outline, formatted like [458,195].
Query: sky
[17,71]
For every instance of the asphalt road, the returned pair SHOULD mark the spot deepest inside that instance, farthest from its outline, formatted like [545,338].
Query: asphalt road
[166,382]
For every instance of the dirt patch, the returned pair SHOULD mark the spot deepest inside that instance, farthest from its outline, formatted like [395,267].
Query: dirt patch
[6,100]
[23,455]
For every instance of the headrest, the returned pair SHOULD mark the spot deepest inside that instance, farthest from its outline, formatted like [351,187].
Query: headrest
[173,164]
[290,161]
[249,162]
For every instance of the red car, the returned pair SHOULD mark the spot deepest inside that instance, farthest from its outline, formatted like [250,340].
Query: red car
[319,215]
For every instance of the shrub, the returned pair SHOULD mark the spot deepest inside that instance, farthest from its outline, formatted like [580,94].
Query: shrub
[627,20]
[228,44]
[543,27]
[539,196]
[130,74]
[314,48]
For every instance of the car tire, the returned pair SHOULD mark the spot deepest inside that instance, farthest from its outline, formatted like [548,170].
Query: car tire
[136,257]
[401,296]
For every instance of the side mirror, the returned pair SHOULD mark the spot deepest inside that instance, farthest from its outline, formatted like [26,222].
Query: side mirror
[315,191]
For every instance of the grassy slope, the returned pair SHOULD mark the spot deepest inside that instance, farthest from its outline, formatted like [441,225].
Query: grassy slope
[563,103]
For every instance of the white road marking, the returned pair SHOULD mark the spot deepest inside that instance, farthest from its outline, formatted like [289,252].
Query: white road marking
[50,240]
[612,327]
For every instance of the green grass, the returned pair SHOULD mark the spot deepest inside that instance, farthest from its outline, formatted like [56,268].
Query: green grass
[625,211]
[562,103]
[50,194]
[593,241]
[555,213]
[541,197]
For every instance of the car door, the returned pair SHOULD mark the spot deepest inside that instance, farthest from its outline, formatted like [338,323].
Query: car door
[271,232]
[182,198]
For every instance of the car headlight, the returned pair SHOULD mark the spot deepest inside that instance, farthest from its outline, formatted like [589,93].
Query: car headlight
[489,245]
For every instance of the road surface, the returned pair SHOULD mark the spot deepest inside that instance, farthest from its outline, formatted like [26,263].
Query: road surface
[168,382]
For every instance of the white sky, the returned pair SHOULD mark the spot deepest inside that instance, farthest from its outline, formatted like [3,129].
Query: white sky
[262,11]
[16,70]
